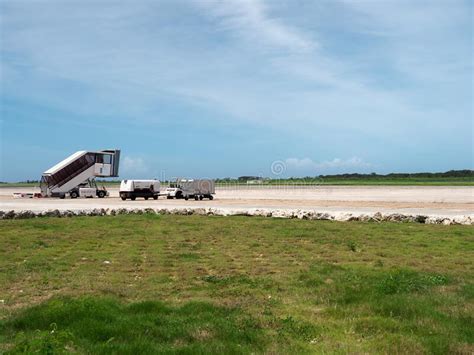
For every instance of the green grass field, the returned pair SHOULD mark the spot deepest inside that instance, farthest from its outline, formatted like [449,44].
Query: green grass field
[190,284]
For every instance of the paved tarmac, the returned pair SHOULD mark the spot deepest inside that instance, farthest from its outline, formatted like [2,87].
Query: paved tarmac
[442,201]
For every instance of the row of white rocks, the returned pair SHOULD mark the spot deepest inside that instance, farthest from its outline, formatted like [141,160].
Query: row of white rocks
[261,212]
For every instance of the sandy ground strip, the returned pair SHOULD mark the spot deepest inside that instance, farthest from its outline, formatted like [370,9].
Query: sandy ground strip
[442,201]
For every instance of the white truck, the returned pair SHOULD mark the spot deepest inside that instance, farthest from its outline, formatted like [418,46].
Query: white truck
[139,188]
[89,189]
[191,188]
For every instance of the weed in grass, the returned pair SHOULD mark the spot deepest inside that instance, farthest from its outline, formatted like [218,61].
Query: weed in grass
[352,246]
[467,291]
[403,281]
[188,256]
[50,341]
[41,244]
[378,263]
[293,328]
[229,280]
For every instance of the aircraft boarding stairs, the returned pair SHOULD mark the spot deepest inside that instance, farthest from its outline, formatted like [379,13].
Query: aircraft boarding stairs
[77,169]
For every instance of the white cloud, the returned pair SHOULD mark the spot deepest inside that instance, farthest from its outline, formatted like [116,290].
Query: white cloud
[296,163]
[251,20]
[353,162]
[335,165]
[133,166]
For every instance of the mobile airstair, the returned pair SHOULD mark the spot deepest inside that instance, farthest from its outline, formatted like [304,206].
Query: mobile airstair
[79,170]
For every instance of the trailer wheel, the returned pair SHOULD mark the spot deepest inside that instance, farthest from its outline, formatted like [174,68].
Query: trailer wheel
[101,194]
[201,197]
[123,198]
[211,197]
[186,198]
[146,198]
[196,197]
[133,198]
[73,194]
[155,197]
[169,197]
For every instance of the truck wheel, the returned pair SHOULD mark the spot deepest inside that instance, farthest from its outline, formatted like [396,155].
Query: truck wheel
[211,197]
[123,198]
[169,197]
[186,198]
[196,197]
[101,194]
[201,197]
[62,197]
[73,194]
[133,198]
[155,197]
[146,198]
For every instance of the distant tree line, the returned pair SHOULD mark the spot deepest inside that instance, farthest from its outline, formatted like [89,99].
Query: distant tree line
[248,178]
[22,182]
[465,174]
[447,174]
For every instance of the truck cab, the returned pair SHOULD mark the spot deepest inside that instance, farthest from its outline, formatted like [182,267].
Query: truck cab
[174,191]
[87,189]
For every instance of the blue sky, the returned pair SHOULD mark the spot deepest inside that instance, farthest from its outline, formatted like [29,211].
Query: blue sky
[226,88]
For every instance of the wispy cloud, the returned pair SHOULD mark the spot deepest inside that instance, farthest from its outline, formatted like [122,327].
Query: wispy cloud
[298,165]
[134,166]
[252,21]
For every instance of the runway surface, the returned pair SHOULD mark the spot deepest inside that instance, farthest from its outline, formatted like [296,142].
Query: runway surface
[442,201]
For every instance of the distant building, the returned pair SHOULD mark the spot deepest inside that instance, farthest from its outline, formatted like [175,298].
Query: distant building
[255,182]
[252,180]
[247,178]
